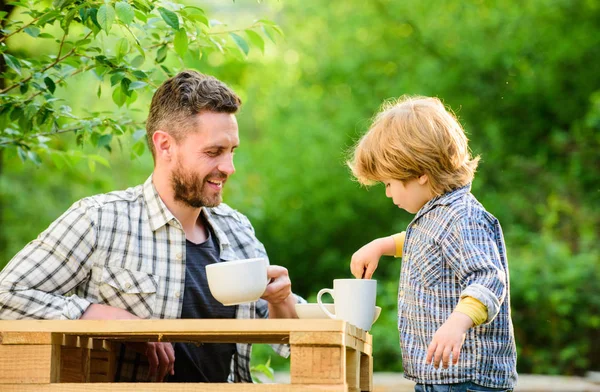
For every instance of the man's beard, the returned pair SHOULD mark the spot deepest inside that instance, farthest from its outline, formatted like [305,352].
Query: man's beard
[192,190]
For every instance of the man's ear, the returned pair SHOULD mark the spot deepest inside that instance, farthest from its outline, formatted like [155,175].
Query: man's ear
[163,145]
[423,179]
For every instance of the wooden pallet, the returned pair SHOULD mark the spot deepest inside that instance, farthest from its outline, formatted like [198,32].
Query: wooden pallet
[36,355]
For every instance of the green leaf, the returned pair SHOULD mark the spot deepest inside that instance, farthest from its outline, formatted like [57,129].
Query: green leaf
[137,85]
[45,35]
[256,40]
[118,96]
[92,165]
[106,17]
[104,140]
[240,42]
[35,158]
[12,62]
[139,74]
[124,12]
[122,48]
[138,61]
[83,42]
[100,159]
[161,54]
[22,154]
[142,5]
[267,33]
[138,148]
[32,31]
[61,3]
[66,21]
[125,83]
[23,88]
[99,92]
[169,17]
[140,15]
[181,42]
[116,78]
[140,133]
[197,14]
[50,84]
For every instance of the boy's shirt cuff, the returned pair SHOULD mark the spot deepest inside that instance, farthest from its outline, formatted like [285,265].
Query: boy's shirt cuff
[399,241]
[473,308]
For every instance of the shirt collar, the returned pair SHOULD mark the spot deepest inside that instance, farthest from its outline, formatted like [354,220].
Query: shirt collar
[443,200]
[227,252]
[158,213]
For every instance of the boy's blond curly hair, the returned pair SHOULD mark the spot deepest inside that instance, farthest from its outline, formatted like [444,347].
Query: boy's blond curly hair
[411,137]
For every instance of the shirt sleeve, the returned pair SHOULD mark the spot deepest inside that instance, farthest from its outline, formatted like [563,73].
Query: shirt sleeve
[472,308]
[471,250]
[399,241]
[35,282]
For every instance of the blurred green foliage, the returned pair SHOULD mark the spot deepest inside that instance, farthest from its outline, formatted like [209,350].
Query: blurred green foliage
[523,80]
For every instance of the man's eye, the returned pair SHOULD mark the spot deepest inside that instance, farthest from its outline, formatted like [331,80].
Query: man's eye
[212,153]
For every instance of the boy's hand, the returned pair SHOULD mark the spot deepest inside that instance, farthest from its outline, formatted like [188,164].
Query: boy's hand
[364,261]
[449,339]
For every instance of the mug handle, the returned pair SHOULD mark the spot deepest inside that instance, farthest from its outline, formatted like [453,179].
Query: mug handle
[323,308]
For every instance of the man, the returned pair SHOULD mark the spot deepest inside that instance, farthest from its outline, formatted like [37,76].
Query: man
[142,252]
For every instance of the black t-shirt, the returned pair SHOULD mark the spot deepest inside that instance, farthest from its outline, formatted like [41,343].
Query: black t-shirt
[203,362]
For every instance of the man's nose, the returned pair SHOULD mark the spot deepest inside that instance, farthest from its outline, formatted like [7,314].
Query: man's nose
[226,166]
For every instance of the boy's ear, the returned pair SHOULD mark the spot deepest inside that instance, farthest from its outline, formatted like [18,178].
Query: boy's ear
[423,179]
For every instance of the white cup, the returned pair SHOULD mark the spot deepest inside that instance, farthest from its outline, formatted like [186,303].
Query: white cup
[354,301]
[238,281]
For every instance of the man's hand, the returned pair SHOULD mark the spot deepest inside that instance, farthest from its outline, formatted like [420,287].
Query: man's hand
[161,358]
[449,339]
[365,260]
[282,303]
[161,355]
[279,287]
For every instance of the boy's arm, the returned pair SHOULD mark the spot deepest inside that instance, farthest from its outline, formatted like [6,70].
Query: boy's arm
[470,249]
[365,260]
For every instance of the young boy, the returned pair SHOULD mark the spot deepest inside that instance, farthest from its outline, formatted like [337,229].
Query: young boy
[453,300]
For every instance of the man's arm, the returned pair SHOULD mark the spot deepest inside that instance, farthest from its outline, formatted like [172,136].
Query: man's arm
[34,283]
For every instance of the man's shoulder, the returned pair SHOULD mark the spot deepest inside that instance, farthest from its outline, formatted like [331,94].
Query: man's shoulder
[111,200]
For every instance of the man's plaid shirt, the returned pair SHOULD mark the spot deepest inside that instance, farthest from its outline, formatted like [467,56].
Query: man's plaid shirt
[455,248]
[124,249]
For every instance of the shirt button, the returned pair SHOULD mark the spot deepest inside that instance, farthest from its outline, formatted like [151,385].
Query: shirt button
[402,293]
[127,285]
[179,256]
[177,294]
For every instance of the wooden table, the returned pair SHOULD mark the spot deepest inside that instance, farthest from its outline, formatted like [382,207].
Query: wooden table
[41,355]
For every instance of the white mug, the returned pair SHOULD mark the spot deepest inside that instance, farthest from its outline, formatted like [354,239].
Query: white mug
[354,301]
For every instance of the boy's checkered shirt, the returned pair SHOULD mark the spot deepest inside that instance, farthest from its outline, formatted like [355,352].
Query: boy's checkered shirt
[455,248]
[123,249]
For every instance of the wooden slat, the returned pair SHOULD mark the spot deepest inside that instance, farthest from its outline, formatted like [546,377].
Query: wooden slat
[172,327]
[318,365]
[352,369]
[366,372]
[26,364]
[329,339]
[180,387]
[25,338]
[75,364]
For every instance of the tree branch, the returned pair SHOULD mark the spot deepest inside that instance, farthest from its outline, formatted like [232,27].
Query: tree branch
[5,37]
[58,60]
